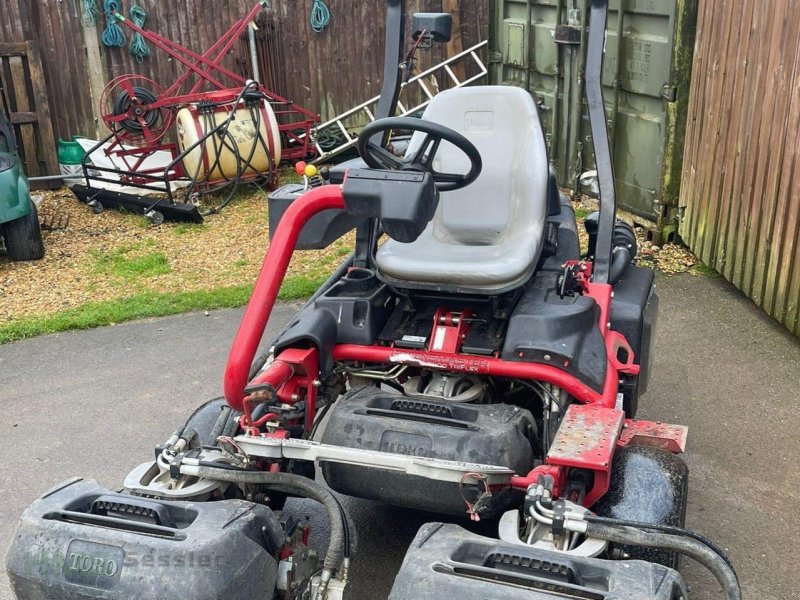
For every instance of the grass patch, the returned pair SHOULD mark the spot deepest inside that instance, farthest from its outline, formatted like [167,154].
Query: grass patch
[118,263]
[703,269]
[184,228]
[149,304]
[581,213]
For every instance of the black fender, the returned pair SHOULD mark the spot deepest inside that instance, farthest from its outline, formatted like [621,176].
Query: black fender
[649,485]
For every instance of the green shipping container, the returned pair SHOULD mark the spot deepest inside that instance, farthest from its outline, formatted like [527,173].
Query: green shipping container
[540,45]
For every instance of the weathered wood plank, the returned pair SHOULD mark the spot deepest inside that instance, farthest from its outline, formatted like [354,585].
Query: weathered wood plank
[766,147]
[718,110]
[13,48]
[42,109]
[728,215]
[27,134]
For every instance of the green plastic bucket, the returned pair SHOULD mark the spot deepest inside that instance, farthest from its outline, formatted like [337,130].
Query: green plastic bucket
[70,157]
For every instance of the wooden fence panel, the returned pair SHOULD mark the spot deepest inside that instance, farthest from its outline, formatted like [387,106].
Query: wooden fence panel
[740,193]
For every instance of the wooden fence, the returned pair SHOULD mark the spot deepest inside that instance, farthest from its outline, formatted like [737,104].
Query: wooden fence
[741,171]
[327,72]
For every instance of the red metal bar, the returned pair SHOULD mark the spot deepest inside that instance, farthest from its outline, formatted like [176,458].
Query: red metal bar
[173,49]
[158,41]
[483,365]
[269,282]
[175,87]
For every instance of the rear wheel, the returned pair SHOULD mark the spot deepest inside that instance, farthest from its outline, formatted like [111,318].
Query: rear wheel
[24,237]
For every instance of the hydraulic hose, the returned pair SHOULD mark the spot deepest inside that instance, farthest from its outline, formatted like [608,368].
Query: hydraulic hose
[692,548]
[338,546]
[620,261]
[625,248]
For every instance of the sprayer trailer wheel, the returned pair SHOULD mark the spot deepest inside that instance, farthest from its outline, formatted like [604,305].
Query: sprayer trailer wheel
[23,237]
[156,218]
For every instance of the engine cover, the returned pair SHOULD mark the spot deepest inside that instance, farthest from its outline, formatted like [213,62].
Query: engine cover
[446,561]
[372,419]
[81,541]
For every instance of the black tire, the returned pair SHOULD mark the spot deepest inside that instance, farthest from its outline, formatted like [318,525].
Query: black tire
[24,237]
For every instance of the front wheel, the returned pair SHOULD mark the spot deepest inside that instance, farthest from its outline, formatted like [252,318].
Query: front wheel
[24,237]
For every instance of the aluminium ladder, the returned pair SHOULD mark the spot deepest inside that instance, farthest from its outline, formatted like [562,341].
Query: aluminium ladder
[337,127]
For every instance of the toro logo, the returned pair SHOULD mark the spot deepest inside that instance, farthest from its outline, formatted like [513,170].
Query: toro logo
[93,565]
[479,121]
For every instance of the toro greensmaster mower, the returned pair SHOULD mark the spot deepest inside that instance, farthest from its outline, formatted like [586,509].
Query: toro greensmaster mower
[465,360]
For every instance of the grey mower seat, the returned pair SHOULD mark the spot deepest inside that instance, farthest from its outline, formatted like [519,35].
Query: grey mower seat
[484,238]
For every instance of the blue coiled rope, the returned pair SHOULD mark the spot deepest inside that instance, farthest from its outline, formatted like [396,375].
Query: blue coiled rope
[138,47]
[320,16]
[90,13]
[113,36]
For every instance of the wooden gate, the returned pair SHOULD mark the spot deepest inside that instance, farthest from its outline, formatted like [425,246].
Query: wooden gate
[24,83]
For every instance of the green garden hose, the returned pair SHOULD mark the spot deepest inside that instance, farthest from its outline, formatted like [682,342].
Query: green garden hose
[90,13]
[138,47]
[113,36]
[320,16]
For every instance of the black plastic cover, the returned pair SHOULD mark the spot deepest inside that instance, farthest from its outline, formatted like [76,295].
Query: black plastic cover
[404,201]
[82,541]
[634,312]
[568,243]
[373,419]
[648,485]
[446,561]
[553,194]
[311,328]
[358,303]
[321,230]
[438,26]
[563,332]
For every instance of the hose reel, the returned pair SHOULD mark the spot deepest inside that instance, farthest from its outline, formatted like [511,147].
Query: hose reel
[129,109]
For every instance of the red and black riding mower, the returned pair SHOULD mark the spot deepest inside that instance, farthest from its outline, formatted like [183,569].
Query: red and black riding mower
[464,360]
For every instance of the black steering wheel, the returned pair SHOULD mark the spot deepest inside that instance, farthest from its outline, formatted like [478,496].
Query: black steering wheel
[377,157]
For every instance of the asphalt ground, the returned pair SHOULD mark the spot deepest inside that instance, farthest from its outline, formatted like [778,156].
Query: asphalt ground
[95,403]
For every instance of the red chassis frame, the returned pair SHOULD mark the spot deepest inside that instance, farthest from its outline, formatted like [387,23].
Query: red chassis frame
[589,434]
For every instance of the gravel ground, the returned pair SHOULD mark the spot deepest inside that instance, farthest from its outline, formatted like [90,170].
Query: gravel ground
[113,255]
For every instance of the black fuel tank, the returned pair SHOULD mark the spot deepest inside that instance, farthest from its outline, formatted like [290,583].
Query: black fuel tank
[373,419]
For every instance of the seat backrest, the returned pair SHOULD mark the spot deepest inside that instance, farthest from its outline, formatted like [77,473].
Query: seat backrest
[510,195]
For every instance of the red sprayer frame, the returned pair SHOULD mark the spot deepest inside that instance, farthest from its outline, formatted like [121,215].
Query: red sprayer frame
[204,79]
[597,408]
[207,69]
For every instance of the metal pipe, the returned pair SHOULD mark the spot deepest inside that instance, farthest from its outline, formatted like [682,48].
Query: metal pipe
[265,293]
[617,83]
[55,177]
[528,45]
[494,367]
[558,76]
[251,40]
[576,118]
